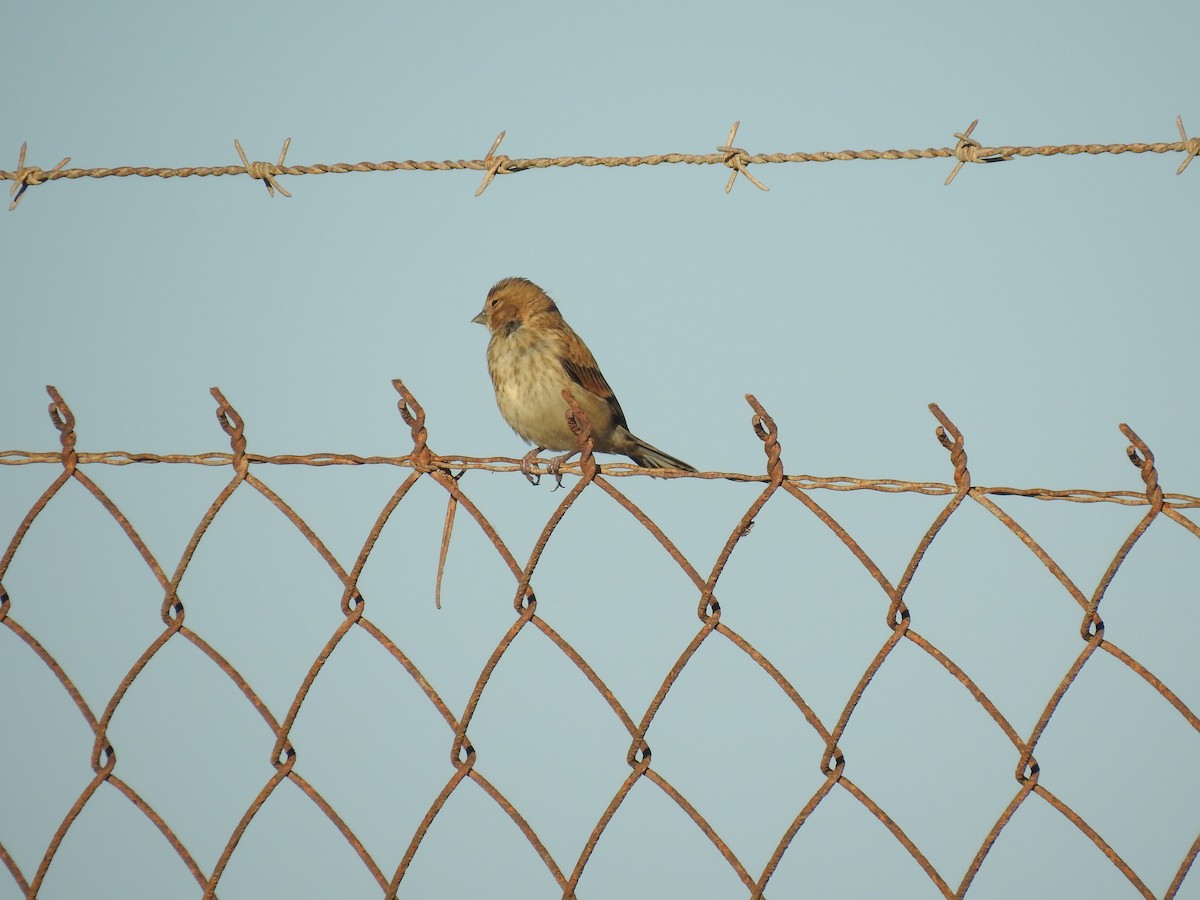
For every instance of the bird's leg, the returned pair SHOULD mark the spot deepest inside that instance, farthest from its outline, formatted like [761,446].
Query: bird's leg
[527,462]
[554,465]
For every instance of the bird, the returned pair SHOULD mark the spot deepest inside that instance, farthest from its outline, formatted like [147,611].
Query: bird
[532,356]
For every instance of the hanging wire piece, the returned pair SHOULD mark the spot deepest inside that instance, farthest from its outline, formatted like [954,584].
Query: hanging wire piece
[265,171]
[738,160]
[24,177]
[496,165]
[1191,146]
[968,150]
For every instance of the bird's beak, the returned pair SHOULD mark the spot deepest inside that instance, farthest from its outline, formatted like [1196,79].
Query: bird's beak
[481,319]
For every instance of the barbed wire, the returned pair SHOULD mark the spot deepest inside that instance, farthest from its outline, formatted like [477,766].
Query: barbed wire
[967,149]
[463,756]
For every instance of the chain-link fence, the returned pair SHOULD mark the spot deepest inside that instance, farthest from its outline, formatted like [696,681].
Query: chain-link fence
[388,869]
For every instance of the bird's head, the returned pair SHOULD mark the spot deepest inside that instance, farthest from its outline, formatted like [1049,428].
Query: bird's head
[511,303]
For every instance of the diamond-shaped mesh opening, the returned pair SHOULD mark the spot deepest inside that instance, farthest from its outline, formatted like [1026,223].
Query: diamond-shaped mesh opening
[596,710]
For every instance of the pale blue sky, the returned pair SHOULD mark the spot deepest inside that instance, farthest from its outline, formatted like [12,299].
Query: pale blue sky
[1040,303]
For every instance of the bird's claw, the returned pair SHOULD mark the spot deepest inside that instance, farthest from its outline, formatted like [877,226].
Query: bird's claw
[554,467]
[527,462]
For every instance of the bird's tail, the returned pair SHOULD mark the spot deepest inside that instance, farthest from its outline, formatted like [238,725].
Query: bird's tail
[649,457]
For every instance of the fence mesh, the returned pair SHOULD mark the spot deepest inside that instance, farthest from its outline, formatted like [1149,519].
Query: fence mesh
[1162,510]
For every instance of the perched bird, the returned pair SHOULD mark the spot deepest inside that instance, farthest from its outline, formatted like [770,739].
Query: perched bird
[532,356]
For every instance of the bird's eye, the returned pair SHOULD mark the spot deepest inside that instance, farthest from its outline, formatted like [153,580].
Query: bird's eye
[492,303]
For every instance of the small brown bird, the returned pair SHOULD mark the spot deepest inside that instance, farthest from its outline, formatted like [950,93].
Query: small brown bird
[532,356]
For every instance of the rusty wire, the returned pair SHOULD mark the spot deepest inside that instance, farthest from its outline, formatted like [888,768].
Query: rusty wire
[967,149]
[423,462]
[612,470]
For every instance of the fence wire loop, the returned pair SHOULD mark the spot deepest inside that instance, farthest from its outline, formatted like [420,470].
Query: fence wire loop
[413,415]
[834,762]
[969,150]
[578,421]
[422,458]
[64,422]
[265,171]
[581,427]
[951,438]
[284,755]
[234,426]
[1191,146]
[105,760]
[739,160]
[1143,458]
[768,432]
[172,610]
[25,177]
[1028,769]
[638,754]
[104,757]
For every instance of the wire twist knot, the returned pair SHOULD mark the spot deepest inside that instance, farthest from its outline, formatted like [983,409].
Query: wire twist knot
[64,421]
[951,438]
[1027,767]
[969,150]
[768,432]
[413,415]
[24,176]
[1191,146]
[737,159]
[234,426]
[581,427]
[265,171]
[494,165]
[1140,455]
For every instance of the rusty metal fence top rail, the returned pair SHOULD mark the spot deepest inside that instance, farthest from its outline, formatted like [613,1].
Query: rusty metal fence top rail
[446,471]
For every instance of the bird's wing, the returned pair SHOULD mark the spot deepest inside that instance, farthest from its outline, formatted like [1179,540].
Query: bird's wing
[582,369]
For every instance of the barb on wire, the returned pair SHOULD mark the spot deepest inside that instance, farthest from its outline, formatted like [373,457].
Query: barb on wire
[265,171]
[23,177]
[970,150]
[738,159]
[1191,146]
[495,165]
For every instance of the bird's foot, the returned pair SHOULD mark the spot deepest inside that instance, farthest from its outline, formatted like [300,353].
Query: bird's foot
[553,466]
[527,462]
